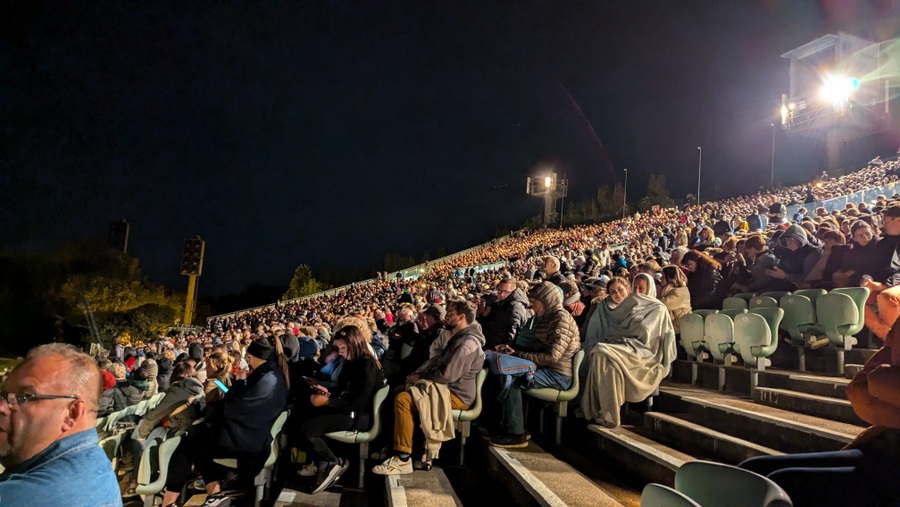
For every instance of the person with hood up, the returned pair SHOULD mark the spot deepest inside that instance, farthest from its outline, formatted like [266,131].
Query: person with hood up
[555,343]
[106,402]
[456,367]
[572,302]
[798,258]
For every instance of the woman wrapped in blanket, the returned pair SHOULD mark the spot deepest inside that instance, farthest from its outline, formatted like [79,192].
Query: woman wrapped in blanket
[627,354]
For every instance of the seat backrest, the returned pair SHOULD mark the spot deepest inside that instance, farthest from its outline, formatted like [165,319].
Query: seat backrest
[744,295]
[377,402]
[732,312]
[859,295]
[734,303]
[276,429]
[577,359]
[763,302]
[704,312]
[719,331]
[773,318]
[657,495]
[165,451]
[475,408]
[110,445]
[799,313]
[708,483]
[692,333]
[837,314]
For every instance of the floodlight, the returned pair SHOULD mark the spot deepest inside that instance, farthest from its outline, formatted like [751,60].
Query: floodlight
[548,181]
[836,89]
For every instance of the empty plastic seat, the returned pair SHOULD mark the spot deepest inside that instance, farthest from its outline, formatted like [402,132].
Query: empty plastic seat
[734,303]
[152,474]
[720,335]
[559,398]
[763,302]
[704,313]
[744,295]
[464,418]
[841,315]
[110,446]
[364,437]
[709,483]
[693,334]
[657,495]
[812,294]
[799,322]
[756,335]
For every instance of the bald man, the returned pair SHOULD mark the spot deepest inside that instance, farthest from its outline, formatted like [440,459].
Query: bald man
[48,444]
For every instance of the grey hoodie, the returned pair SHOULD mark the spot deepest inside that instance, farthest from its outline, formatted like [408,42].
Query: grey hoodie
[798,263]
[458,364]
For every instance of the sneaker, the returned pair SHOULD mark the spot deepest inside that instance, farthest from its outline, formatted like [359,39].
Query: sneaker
[308,470]
[217,500]
[130,492]
[394,466]
[511,441]
[325,477]
[345,464]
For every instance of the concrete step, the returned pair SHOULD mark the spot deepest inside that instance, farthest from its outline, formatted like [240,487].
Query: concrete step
[549,481]
[858,355]
[643,457]
[700,440]
[426,489]
[809,383]
[820,406]
[740,417]
[292,498]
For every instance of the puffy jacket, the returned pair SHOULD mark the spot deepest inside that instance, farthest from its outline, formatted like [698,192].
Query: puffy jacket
[556,338]
[704,286]
[152,370]
[176,396]
[506,318]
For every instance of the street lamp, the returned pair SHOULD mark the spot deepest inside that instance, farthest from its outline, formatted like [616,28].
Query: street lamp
[625,195]
[772,181]
[699,164]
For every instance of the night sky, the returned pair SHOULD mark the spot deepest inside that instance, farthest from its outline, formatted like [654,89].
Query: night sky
[332,132]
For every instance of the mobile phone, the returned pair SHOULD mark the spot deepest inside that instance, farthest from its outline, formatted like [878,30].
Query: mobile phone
[221,386]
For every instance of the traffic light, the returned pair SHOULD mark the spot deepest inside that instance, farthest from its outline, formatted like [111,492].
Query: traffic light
[192,258]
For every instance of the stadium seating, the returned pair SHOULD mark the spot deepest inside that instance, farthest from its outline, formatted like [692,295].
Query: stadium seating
[756,336]
[148,486]
[464,418]
[709,483]
[364,437]
[840,316]
[559,398]
[734,303]
[799,321]
[763,302]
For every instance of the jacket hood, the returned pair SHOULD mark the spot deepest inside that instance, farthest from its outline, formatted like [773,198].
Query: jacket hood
[471,331]
[189,384]
[549,294]
[794,232]
[165,366]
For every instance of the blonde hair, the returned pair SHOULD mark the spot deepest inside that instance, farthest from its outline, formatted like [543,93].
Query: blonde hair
[221,361]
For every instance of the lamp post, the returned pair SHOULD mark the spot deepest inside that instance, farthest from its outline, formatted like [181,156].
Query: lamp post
[772,181]
[625,195]
[699,165]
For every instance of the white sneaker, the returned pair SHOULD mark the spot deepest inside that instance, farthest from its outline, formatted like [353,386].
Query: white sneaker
[308,470]
[394,466]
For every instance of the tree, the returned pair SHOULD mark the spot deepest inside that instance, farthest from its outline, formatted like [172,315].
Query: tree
[302,284]
[658,192]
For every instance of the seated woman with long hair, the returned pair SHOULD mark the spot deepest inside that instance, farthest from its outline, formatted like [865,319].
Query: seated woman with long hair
[674,294]
[704,280]
[347,406]
[627,356]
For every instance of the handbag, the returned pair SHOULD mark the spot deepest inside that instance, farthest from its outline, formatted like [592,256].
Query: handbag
[510,369]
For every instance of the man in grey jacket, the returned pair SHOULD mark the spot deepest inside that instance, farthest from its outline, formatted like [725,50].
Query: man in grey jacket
[456,366]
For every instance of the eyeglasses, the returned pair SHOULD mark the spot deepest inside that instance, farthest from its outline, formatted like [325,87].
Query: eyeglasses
[15,400]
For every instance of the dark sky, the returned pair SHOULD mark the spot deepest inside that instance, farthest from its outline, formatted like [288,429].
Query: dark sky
[332,132]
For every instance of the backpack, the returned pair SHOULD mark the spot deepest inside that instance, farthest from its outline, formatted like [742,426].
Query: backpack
[510,369]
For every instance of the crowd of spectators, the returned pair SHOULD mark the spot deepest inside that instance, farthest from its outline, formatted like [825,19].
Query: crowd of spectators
[615,291]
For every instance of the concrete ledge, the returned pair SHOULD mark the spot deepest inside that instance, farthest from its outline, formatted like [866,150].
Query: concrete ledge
[426,489]
[694,437]
[551,482]
[650,460]
[810,404]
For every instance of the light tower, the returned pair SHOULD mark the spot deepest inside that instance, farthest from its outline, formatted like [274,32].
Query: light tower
[839,89]
[192,267]
[550,188]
